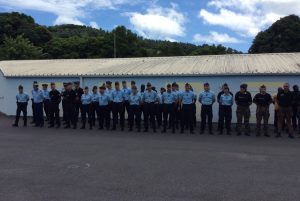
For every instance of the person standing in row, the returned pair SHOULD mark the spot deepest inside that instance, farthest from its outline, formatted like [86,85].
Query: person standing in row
[78,105]
[108,91]
[225,110]
[94,105]
[297,103]
[32,105]
[295,117]
[177,109]
[134,114]
[38,99]
[46,101]
[285,111]
[70,104]
[55,99]
[149,99]
[207,99]
[225,85]
[243,99]
[86,100]
[103,109]
[118,106]
[65,85]
[22,99]
[187,99]
[262,101]
[126,92]
[169,101]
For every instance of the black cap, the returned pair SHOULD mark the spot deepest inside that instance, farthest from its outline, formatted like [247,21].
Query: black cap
[263,86]
[35,83]
[45,85]
[102,87]
[187,84]
[117,83]
[243,86]
[132,82]
[65,84]
[168,85]
[206,84]
[225,85]
[20,87]
[86,87]
[148,84]
[95,87]
[123,81]
[69,83]
[76,82]
[52,83]
[108,82]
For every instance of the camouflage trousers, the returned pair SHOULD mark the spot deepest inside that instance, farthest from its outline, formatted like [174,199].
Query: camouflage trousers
[285,115]
[243,113]
[262,113]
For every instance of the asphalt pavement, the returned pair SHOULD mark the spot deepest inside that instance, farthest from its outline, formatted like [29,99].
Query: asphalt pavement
[41,164]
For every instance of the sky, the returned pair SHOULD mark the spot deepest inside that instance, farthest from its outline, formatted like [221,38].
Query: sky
[232,23]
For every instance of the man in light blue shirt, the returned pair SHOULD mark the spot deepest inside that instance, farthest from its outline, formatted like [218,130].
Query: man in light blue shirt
[187,99]
[169,101]
[86,100]
[94,104]
[149,99]
[46,101]
[207,99]
[225,110]
[103,109]
[38,98]
[135,100]
[118,106]
[108,91]
[22,102]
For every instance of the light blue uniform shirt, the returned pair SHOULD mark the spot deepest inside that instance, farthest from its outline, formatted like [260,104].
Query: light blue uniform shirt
[86,99]
[150,96]
[37,96]
[207,98]
[46,94]
[169,97]
[117,96]
[127,93]
[135,99]
[109,92]
[226,100]
[187,97]
[95,97]
[103,99]
[22,97]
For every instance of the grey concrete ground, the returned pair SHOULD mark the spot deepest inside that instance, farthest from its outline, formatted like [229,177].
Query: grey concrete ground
[40,164]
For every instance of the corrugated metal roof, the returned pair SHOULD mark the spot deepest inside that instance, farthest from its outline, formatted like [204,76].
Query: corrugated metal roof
[284,63]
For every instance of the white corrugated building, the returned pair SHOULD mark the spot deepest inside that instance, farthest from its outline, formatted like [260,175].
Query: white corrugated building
[254,69]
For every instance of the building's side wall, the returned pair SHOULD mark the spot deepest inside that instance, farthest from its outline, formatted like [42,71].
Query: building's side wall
[9,87]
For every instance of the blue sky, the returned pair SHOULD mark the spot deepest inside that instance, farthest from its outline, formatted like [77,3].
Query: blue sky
[232,23]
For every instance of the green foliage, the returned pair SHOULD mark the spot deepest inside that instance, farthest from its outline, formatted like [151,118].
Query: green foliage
[19,48]
[282,36]
[74,41]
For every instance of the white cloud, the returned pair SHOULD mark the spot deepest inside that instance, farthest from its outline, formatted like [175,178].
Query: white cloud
[247,17]
[159,22]
[94,25]
[216,38]
[67,11]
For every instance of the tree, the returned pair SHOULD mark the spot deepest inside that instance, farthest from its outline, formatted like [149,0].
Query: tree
[19,48]
[282,36]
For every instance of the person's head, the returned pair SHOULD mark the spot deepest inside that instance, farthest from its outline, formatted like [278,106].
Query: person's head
[86,90]
[162,90]
[124,84]
[117,85]
[243,88]
[34,83]
[206,87]
[143,87]
[286,87]
[45,86]
[133,83]
[226,90]
[173,86]
[280,90]
[52,85]
[153,88]
[169,87]
[224,86]
[263,89]
[149,86]
[69,86]
[295,88]
[65,85]
[36,86]
[134,89]
[102,89]
[187,86]
[108,84]
[20,89]
[94,89]
[76,84]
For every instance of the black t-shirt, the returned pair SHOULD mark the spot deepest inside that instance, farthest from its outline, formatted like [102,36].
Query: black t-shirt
[285,99]
[55,96]
[262,99]
[243,99]
[78,93]
[70,97]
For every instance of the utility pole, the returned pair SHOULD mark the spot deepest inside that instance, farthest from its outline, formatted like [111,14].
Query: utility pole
[115,46]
